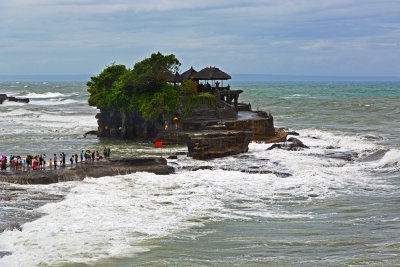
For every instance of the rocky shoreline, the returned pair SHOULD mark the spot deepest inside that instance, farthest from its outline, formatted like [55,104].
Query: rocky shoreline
[79,172]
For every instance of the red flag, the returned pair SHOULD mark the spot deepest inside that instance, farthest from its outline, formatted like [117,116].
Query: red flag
[158,144]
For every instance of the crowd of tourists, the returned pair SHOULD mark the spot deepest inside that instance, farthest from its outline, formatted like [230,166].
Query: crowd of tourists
[40,162]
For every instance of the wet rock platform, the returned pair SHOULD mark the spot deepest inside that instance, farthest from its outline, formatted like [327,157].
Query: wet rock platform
[80,171]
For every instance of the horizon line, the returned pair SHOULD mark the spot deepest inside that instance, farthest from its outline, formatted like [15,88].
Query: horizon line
[235,76]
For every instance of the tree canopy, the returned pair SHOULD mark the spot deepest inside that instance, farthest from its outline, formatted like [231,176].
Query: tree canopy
[142,89]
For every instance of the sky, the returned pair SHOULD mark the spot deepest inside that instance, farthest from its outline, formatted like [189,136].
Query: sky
[288,37]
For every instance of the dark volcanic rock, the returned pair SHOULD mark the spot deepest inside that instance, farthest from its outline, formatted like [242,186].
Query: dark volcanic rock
[79,172]
[4,97]
[331,147]
[293,133]
[279,174]
[348,155]
[244,107]
[196,168]
[90,132]
[213,144]
[274,146]
[181,153]
[22,100]
[173,157]
[217,127]
[296,143]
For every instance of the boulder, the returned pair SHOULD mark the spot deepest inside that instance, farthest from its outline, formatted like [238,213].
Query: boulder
[347,155]
[90,133]
[213,144]
[293,133]
[294,145]
[3,97]
[21,100]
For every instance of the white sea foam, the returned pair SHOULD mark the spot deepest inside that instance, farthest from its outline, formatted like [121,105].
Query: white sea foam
[12,104]
[113,216]
[391,158]
[54,121]
[46,95]
[55,102]
[16,112]
[119,216]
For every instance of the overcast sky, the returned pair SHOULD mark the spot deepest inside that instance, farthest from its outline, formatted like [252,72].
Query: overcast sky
[295,37]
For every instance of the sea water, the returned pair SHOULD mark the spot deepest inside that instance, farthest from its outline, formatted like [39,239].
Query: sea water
[264,207]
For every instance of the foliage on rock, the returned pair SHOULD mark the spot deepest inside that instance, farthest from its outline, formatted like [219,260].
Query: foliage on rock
[142,89]
[193,101]
[188,88]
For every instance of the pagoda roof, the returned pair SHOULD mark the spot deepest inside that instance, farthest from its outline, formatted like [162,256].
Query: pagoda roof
[172,78]
[188,74]
[211,73]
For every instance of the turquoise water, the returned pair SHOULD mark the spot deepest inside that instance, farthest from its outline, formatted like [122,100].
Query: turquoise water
[361,108]
[328,212]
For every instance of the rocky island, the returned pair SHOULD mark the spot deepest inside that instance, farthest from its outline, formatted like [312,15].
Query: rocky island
[153,102]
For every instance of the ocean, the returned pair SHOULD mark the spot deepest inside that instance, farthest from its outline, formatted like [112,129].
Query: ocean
[324,210]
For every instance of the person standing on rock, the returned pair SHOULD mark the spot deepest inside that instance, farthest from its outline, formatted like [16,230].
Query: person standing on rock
[81,156]
[40,162]
[71,159]
[63,158]
[44,161]
[108,152]
[55,161]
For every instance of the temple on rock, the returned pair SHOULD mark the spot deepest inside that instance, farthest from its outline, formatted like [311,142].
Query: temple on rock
[211,121]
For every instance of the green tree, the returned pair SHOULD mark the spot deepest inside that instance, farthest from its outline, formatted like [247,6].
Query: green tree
[100,86]
[143,89]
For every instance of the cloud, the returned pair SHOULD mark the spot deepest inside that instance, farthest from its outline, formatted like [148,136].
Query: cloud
[254,35]
[318,45]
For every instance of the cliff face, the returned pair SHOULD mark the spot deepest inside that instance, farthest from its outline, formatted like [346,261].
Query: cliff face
[133,126]
[126,125]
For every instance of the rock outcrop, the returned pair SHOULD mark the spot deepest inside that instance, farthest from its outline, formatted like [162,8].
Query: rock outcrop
[4,97]
[79,172]
[293,144]
[214,144]
[222,128]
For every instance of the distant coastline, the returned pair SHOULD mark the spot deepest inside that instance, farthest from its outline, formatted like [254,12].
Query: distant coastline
[235,78]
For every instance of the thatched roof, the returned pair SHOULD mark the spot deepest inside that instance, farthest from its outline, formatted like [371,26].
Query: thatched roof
[188,74]
[173,78]
[211,73]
